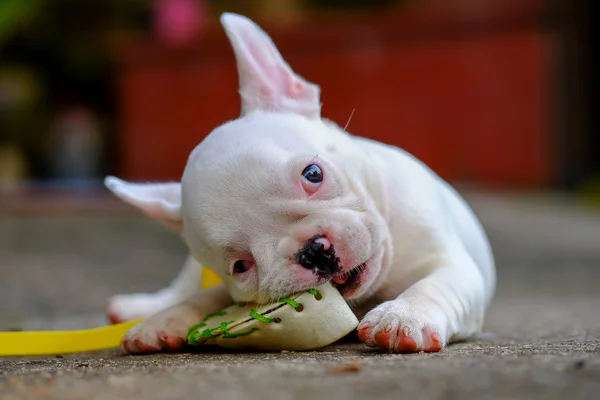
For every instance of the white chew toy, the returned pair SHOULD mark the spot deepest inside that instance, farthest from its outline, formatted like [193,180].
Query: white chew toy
[303,321]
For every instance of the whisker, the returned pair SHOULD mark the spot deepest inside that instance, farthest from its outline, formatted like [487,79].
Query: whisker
[349,118]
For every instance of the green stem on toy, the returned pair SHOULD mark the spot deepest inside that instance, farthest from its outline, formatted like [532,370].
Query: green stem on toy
[215,314]
[195,328]
[290,302]
[228,335]
[208,333]
[195,337]
[261,318]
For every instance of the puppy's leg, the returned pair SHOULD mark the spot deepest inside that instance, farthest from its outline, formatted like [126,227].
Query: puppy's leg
[167,330]
[446,305]
[142,305]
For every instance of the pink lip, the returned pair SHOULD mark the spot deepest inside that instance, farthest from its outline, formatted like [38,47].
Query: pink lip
[339,279]
[357,280]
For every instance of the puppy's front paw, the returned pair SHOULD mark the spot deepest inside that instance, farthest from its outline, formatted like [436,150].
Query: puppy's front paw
[397,326]
[133,306]
[165,331]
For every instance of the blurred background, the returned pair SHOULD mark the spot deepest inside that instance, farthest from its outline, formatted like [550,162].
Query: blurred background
[494,95]
[487,92]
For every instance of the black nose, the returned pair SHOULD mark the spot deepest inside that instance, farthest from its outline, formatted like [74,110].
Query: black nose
[313,256]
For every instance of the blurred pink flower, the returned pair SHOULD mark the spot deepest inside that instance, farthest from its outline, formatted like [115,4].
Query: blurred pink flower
[179,22]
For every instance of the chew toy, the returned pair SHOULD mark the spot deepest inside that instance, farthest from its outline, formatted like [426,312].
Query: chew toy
[304,321]
[35,343]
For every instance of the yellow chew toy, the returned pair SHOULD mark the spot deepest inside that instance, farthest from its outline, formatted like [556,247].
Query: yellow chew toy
[35,343]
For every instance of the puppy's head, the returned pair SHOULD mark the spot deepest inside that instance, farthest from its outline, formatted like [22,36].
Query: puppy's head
[276,201]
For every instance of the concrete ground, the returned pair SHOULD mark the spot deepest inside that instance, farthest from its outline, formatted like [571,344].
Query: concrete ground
[542,337]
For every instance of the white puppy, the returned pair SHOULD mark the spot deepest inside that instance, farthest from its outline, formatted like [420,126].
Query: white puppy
[281,200]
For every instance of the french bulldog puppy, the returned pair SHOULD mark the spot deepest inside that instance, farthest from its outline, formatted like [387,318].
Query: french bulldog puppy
[281,200]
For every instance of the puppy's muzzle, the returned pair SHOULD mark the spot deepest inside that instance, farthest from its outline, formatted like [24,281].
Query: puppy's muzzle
[314,256]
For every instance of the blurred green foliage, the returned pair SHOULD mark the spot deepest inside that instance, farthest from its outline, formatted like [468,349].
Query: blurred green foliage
[20,16]
[16,14]
[55,53]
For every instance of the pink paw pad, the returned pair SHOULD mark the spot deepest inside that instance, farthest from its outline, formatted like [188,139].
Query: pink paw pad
[391,340]
[364,334]
[112,316]
[400,339]
[137,347]
[433,343]
[171,343]
[166,343]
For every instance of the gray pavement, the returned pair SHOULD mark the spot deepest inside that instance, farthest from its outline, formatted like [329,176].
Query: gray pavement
[542,336]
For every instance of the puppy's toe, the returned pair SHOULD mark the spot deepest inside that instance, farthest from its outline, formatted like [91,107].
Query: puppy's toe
[366,328]
[165,331]
[137,346]
[150,341]
[397,327]
[171,342]
[112,315]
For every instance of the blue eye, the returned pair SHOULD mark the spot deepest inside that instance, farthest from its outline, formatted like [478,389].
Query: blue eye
[313,174]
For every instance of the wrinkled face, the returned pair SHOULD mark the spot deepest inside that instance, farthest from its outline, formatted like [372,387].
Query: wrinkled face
[271,204]
[278,200]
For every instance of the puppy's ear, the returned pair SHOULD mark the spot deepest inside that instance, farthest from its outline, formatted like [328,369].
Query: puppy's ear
[267,83]
[161,201]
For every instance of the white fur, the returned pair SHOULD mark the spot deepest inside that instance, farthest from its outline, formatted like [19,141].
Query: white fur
[430,267]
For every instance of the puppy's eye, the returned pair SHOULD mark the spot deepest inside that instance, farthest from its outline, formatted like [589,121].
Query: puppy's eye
[241,266]
[313,174]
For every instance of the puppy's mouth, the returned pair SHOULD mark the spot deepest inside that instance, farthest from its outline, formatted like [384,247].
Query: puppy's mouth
[346,282]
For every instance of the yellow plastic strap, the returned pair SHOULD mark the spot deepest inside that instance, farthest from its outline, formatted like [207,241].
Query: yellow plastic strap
[209,278]
[61,342]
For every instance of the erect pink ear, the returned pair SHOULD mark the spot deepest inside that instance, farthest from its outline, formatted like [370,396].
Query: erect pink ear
[267,83]
[161,201]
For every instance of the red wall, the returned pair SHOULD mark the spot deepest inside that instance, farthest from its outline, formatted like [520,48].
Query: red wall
[469,94]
